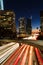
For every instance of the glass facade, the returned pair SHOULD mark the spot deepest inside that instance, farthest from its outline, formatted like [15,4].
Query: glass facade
[7,24]
[1,5]
[41,21]
[28,26]
[22,28]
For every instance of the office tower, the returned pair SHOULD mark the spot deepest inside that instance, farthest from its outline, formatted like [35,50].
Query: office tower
[22,26]
[41,21]
[7,24]
[1,5]
[28,26]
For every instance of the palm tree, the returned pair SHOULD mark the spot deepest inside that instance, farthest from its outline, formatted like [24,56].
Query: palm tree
[37,28]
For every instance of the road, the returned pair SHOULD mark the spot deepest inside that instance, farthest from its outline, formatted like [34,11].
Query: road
[24,55]
[36,43]
[7,50]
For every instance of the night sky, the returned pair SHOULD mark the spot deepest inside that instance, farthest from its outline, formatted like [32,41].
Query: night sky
[26,8]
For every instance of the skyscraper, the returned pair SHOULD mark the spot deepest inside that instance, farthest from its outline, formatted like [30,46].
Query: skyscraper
[41,21]
[7,24]
[28,26]
[25,26]
[22,26]
[1,5]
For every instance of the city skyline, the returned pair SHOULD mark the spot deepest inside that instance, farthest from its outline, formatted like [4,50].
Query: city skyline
[26,8]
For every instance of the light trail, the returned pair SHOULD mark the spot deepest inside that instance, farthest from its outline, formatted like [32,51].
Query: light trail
[6,54]
[24,56]
[30,61]
[22,52]
[5,48]
[32,37]
[18,58]
[7,45]
[8,62]
[39,56]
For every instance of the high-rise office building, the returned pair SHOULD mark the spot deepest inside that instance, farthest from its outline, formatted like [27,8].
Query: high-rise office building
[1,5]
[7,24]
[41,21]
[28,26]
[25,27]
[22,26]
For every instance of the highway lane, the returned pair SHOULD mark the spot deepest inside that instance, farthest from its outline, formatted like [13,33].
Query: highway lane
[22,56]
[6,47]
[19,56]
[40,59]
[30,62]
[23,61]
[5,50]
[6,54]
[11,58]
[35,43]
